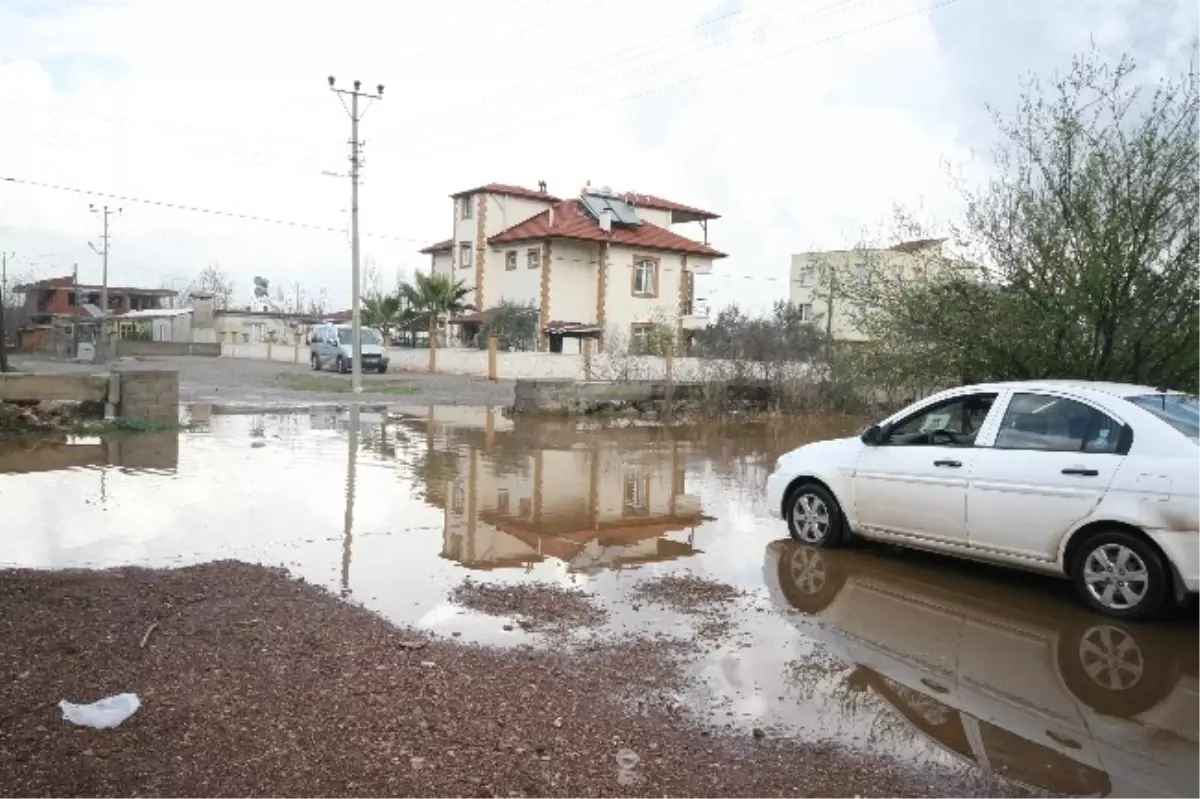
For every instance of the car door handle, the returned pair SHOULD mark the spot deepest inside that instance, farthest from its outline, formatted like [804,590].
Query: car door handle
[1082,472]
[937,688]
[948,464]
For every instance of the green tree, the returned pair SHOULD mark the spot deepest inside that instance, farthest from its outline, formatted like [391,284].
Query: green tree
[515,323]
[431,296]
[1087,237]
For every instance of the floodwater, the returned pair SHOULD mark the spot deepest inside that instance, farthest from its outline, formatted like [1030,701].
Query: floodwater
[934,661]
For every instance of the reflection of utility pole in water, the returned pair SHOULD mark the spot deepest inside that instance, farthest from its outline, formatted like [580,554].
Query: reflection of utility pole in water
[348,525]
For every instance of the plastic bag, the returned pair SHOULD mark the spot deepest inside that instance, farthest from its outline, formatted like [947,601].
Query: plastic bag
[102,714]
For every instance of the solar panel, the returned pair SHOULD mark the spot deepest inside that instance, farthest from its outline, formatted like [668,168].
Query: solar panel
[622,212]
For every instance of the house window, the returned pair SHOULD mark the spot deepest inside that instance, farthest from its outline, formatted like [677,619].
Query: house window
[534,258]
[510,260]
[640,335]
[464,255]
[645,277]
[806,311]
[637,487]
[503,503]
[807,275]
[465,207]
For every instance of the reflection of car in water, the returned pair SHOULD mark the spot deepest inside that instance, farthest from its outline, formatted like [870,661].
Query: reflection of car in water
[1001,674]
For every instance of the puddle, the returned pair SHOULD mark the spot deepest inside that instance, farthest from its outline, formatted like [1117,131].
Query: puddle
[934,661]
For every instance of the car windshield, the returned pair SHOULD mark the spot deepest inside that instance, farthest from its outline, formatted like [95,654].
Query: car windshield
[369,336]
[1181,411]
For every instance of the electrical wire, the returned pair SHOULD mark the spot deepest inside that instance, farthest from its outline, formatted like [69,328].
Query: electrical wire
[459,143]
[198,209]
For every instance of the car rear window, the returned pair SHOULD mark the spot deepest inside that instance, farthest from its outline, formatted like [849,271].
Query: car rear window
[1181,411]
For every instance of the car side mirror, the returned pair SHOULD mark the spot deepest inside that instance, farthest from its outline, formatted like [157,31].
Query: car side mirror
[873,436]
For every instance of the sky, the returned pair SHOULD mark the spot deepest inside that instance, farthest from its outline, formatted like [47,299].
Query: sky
[801,122]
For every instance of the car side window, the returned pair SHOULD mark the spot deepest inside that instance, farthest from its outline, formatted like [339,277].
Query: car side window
[1056,424]
[952,423]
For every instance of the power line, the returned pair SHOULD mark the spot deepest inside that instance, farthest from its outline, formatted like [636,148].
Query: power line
[458,143]
[198,209]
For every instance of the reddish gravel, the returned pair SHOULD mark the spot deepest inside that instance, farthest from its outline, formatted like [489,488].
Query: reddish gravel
[255,684]
[536,606]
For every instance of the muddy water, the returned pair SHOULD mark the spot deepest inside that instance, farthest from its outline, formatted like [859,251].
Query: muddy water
[934,661]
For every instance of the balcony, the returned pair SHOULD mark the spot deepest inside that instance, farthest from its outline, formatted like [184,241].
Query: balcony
[696,316]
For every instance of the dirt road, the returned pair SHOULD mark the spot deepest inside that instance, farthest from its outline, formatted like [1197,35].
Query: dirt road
[248,382]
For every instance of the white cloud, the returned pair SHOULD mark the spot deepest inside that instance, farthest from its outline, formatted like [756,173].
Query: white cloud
[794,120]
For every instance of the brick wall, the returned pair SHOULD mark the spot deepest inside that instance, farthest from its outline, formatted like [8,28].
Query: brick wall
[152,395]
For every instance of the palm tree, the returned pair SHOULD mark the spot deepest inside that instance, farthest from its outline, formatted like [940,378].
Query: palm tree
[382,312]
[431,296]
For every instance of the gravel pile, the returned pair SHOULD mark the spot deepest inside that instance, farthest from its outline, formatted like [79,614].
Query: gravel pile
[536,606]
[254,684]
[686,592]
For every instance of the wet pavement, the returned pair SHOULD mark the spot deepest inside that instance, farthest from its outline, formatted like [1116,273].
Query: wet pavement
[932,661]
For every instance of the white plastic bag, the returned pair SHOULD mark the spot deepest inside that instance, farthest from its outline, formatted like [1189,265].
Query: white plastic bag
[102,714]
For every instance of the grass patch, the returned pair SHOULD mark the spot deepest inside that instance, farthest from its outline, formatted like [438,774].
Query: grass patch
[101,427]
[330,385]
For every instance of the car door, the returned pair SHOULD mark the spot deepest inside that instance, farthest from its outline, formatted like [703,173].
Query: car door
[1051,461]
[914,483]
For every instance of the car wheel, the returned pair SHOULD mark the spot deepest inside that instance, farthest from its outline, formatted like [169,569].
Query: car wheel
[341,365]
[316,362]
[814,517]
[382,369]
[1120,575]
[809,579]
[1114,670]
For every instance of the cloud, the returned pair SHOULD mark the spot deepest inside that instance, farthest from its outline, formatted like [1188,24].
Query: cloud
[800,121]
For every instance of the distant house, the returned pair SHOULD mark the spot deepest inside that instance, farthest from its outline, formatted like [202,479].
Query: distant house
[821,282]
[600,265]
[60,296]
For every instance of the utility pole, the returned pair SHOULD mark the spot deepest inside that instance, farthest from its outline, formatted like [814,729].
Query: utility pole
[355,164]
[3,303]
[105,212]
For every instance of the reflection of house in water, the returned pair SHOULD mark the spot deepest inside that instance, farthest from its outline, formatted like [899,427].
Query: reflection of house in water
[592,500]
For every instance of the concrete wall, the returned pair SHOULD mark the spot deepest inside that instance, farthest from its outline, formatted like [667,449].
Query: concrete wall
[130,348]
[141,394]
[152,395]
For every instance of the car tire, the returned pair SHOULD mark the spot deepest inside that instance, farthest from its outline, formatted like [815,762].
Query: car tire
[382,370]
[315,362]
[341,365]
[1102,562]
[814,516]
[1115,670]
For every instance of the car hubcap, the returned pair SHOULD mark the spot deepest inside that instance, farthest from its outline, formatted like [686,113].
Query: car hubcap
[1116,576]
[810,518]
[1111,657]
[808,570]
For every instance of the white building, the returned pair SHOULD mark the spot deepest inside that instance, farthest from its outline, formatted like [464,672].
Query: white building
[603,265]
[821,282]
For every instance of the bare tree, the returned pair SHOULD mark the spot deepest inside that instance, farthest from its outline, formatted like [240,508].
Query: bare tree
[216,281]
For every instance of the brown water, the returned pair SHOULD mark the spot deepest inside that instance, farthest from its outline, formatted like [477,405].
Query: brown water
[934,661]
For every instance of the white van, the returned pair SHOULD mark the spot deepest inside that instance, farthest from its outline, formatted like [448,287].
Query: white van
[332,347]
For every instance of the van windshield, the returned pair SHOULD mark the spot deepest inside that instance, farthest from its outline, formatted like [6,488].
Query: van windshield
[1181,411]
[369,336]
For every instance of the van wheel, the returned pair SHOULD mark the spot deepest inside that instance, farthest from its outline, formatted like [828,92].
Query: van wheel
[814,517]
[341,365]
[316,362]
[1120,575]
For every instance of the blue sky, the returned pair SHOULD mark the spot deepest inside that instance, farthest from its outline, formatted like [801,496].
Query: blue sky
[802,122]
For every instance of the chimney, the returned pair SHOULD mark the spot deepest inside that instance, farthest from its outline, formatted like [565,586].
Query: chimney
[605,220]
[542,186]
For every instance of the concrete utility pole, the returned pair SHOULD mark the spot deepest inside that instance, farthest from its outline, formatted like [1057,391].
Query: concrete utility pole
[3,303]
[355,163]
[105,212]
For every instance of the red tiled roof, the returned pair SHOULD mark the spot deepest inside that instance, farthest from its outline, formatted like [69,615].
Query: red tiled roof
[650,201]
[572,222]
[441,246]
[510,191]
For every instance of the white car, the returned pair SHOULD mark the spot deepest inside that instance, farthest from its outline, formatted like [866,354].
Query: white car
[1098,482]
